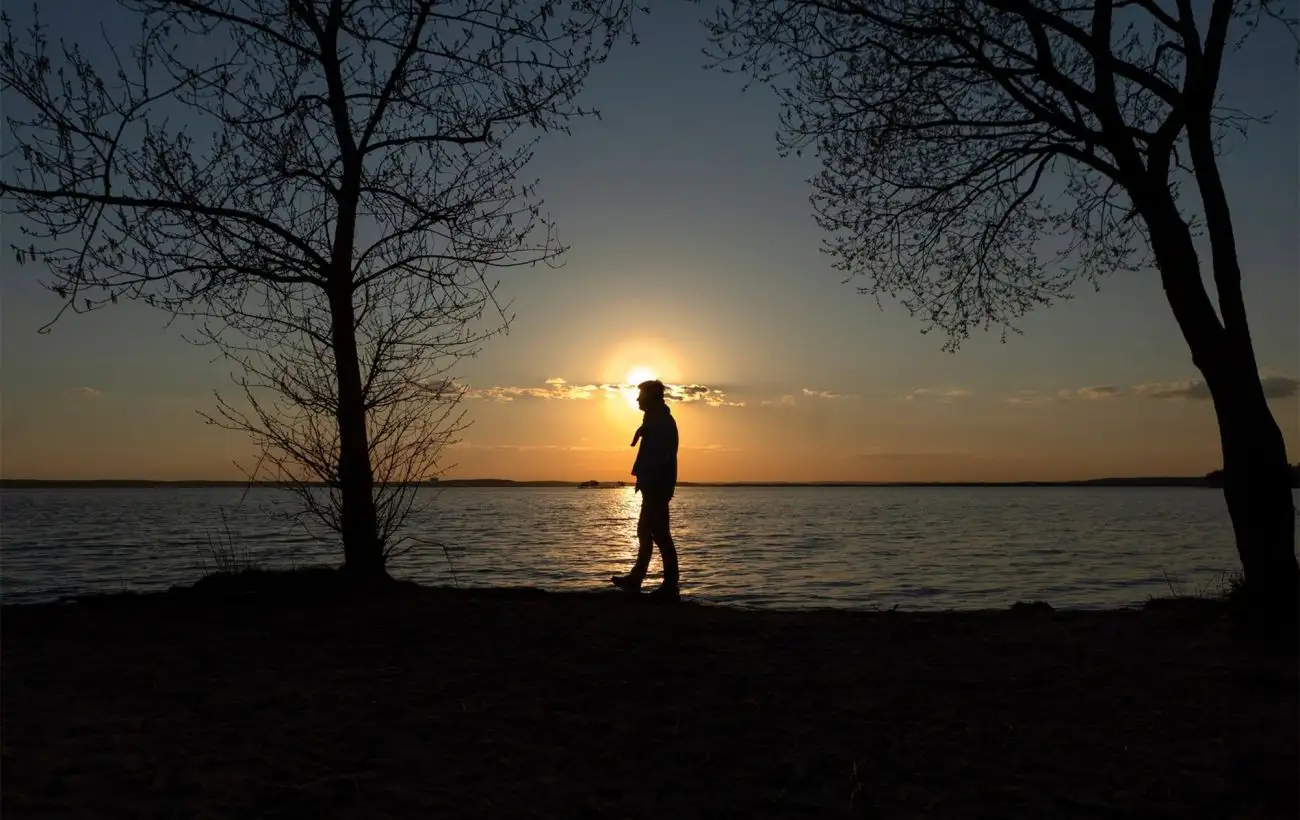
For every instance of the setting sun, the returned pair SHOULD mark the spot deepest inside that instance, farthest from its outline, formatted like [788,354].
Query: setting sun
[634,377]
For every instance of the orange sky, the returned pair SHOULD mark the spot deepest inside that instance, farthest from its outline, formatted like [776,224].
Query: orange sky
[578,431]
[693,253]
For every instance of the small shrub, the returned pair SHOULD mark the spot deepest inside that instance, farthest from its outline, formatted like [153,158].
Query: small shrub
[1031,606]
[1232,586]
[1226,587]
[227,556]
[285,585]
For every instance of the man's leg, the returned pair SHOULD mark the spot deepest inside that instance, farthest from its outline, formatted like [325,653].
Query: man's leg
[645,538]
[661,531]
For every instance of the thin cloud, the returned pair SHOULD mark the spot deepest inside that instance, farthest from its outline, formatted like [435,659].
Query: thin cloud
[1275,387]
[559,389]
[1097,392]
[1196,390]
[711,396]
[552,391]
[1029,398]
[939,395]
[1101,391]
[533,448]
[1193,389]
[688,392]
[576,448]
[821,394]
[1280,387]
[89,392]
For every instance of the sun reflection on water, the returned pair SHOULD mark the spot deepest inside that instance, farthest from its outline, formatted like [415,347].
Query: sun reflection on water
[617,510]
[797,547]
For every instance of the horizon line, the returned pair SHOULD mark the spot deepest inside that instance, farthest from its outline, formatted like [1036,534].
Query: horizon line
[141,482]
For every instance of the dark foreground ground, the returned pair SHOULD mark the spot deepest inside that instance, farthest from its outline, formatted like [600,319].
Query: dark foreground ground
[441,703]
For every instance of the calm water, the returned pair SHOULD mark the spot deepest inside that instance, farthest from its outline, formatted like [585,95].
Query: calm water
[921,548]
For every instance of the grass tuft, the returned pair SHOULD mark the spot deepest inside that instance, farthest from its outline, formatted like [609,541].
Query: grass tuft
[227,556]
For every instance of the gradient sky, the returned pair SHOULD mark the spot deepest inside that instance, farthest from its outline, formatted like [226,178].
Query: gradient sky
[694,254]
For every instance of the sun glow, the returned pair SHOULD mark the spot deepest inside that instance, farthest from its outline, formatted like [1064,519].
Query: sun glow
[634,377]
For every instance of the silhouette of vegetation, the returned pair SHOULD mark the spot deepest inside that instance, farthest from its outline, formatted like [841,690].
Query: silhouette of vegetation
[283,586]
[227,555]
[1215,477]
[322,187]
[980,157]
[1227,587]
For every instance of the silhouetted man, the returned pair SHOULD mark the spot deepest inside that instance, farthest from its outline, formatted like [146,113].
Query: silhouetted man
[656,478]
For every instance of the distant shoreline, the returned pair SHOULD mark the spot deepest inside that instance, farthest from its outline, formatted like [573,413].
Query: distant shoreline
[1149,481]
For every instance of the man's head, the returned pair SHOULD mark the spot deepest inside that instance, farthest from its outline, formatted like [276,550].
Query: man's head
[651,394]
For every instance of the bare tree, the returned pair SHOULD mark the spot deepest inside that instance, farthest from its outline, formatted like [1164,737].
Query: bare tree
[410,332]
[979,157]
[297,169]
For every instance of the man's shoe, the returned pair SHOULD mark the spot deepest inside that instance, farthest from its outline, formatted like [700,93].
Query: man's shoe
[667,594]
[626,583]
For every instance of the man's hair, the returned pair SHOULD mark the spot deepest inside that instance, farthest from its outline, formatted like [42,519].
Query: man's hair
[653,390]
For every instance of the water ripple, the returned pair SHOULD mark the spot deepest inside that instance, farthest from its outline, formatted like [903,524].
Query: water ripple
[921,548]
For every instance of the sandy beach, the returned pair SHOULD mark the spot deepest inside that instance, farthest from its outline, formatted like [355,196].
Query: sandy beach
[418,702]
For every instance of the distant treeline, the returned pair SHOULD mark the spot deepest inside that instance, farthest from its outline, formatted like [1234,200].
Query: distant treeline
[1213,479]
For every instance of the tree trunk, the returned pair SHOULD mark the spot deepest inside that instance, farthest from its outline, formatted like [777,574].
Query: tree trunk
[1256,472]
[363,555]
[1257,487]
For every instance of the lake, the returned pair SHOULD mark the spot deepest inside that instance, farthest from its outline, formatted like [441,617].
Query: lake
[788,547]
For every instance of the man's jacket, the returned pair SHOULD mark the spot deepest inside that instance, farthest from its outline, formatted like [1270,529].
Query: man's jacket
[656,460]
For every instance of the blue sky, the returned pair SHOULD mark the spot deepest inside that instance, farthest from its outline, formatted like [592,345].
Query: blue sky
[694,253]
